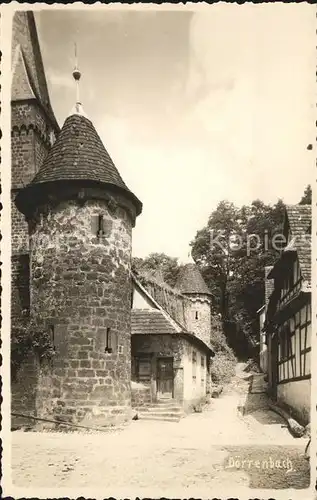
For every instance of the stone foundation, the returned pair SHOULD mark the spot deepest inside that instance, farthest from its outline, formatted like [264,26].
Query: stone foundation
[141,394]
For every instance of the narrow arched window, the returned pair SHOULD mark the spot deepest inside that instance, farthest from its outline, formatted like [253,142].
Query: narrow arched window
[196,314]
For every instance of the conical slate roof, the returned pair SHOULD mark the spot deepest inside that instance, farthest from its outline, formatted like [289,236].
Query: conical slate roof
[78,154]
[191,281]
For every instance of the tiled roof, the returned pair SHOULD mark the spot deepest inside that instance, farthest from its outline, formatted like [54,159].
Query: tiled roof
[78,154]
[150,321]
[299,218]
[29,71]
[303,247]
[191,281]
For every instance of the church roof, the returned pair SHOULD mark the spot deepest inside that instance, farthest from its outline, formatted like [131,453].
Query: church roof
[191,281]
[28,75]
[78,154]
[21,87]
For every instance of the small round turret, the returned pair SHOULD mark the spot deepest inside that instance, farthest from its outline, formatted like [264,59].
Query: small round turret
[198,308]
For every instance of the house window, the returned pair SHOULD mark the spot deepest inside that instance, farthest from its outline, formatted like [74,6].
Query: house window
[143,369]
[287,346]
[202,361]
[194,365]
[196,314]
[284,343]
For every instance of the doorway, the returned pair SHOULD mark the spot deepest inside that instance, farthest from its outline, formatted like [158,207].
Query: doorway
[165,378]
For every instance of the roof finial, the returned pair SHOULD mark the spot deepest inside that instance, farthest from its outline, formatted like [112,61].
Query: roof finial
[76,76]
[190,256]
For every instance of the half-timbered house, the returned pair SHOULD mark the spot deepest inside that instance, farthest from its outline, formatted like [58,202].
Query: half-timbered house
[268,289]
[288,317]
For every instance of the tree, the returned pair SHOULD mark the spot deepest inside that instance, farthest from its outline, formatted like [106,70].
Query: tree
[307,196]
[212,251]
[157,263]
[232,251]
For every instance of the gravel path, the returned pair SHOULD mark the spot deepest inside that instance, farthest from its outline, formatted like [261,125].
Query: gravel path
[217,450]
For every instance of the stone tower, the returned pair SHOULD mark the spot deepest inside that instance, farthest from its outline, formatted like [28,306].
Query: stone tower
[198,310]
[33,129]
[80,215]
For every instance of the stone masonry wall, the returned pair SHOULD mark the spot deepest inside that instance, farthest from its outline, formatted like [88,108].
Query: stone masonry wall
[82,285]
[198,317]
[20,286]
[29,145]
[141,395]
[30,141]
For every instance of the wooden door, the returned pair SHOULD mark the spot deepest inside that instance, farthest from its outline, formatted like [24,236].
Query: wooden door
[165,378]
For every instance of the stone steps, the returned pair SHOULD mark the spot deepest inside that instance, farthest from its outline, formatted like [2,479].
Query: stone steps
[159,418]
[165,410]
[173,410]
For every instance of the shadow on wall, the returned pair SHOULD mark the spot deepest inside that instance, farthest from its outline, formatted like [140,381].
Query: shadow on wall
[23,393]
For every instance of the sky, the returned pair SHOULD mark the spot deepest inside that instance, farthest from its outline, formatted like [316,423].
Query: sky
[193,106]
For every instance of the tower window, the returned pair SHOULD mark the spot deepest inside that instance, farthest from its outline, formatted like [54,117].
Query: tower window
[58,339]
[52,336]
[111,343]
[108,347]
[100,226]
[196,314]
[97,225]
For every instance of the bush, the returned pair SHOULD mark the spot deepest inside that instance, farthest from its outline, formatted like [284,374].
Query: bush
[222,368]
[223,364]
[29,336]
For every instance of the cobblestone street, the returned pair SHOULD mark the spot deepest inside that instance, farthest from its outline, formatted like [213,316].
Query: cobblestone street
[216,450]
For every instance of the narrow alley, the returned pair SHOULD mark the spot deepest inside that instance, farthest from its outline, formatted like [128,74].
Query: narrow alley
[236,440]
